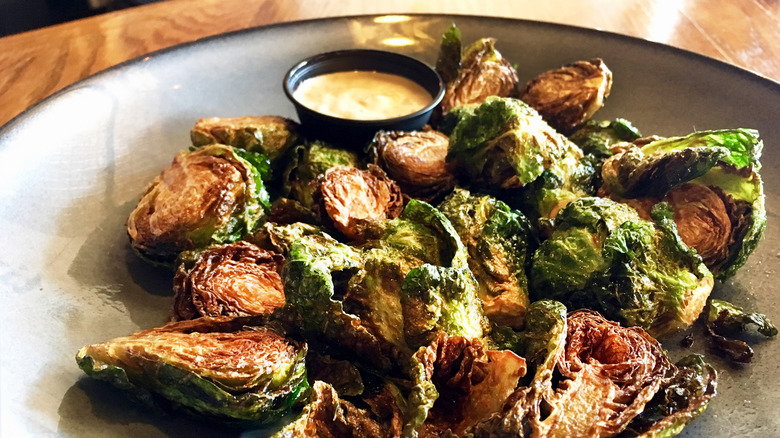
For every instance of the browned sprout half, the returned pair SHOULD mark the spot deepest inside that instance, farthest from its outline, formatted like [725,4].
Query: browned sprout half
[416,160]
[328,416]
[607,374]
[222,368]
[568,96]
[354,198]
[483,72]
[214,194]
[236,279]
[269,135]
[459,382]
[702,220]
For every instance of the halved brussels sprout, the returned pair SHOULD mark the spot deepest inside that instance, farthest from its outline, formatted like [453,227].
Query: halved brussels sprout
[271,136]
[329,416]
[602,256]
[504,143]
[710,179]
[416,160]
[568,96]
[458,383]
[307,163]
[480,71]
[214,194]
[499,243]
[217,368]
[353,199]
[605,375]
[235,279]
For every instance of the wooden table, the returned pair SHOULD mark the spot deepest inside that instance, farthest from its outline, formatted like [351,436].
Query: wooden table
[35,64]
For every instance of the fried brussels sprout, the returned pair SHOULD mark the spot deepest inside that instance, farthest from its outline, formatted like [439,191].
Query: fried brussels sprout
[604,257]
[280,237]
[235,279]
[392,295]
[725,321]
[328,416]
[353,199]
[711,181]
[416,160]
[215,368]
[682,398]
[605,374]
[271,136]
[500,242]
[568,96]
[308,162]
[476,73]
[503,143]
[457,383]
[214,194]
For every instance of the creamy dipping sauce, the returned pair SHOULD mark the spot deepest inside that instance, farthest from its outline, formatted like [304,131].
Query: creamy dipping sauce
[362,95]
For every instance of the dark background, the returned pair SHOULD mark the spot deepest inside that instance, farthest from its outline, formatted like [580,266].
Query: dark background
[23,15]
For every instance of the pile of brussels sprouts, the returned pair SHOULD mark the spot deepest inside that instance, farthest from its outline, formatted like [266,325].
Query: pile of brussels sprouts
[504,272]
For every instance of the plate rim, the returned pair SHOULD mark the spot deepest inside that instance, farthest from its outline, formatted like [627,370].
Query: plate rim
[155,54]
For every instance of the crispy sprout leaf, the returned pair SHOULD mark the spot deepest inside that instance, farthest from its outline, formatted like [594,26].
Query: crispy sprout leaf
[235,279]
[568,96]
[448,62]
[280,237]
[682,398]
[598,138]
[725,321]
[210,367]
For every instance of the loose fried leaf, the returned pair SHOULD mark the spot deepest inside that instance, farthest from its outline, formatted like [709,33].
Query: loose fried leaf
[725,321]
[329,416]
[598,138]
[682,398]
[607,374]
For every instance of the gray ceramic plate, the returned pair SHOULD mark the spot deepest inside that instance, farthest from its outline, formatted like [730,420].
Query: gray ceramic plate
[73,166]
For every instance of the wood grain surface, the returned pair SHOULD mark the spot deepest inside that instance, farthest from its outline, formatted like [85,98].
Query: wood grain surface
[35,64]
